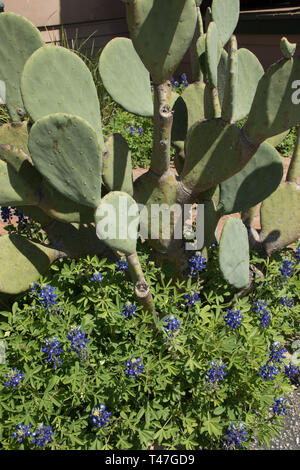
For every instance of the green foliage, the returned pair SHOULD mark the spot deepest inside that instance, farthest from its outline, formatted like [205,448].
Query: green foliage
[171,403]
[286,148]
[127,125]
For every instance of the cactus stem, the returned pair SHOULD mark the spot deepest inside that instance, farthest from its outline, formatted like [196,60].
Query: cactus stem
[163,119]
[294,168]
[216,102]
[142,290]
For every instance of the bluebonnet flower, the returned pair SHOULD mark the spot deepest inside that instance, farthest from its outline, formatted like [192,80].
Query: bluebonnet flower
[260,307]
[286,270]
[287,302]
[197,263]
[6,213]
[174,82]
[22,432]
[216,372]
[192,298]
[233,318]
[268,371]
[235,435]
[14,377]
[132,130]
[184,80]
[280,406]
[134,367]
[291,371]
[172,325]
[22,219]
[46,295]
[140,130]
[100,417]
[78,341]
[54,350]
[96,277]
[42,435]
[129,309]
[277,352]
[297,254]
[122,264]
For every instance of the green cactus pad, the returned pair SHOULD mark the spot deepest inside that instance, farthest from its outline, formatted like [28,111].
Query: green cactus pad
[18,40]
[125,77]
[254,183]
[61,208]
[225,13]
[66,151]
[274,108]
[206,147]
[229,104]
[234,253]
[15,134]
[287,48]
[280,217]
[22,263]
[116,167]
[18,187]
[250,71]
[56,80]
[117,221]
[188,109]
[213,53]
[152,26]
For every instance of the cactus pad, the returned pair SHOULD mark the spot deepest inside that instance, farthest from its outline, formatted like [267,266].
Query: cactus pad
[280,217]
[152,26]
[116,167]
[213,53]
[18,187]
[273,110]
[117,221]
[18,40]
[61,208]
[234,253]
[66,151]
[225,13]
[206,145]
[287,48]
[18,272]
[125,77]
[56,80]
[254,183]
[250,71]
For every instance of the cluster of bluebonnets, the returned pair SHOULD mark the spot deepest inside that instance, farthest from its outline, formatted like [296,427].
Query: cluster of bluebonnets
[270,369]
[129,309]
[40,436]
[7,213]
[233,318]
[47,296]
[100,417]
[182,80]
[216,372]
[48,299]
[135,131]
[260,307]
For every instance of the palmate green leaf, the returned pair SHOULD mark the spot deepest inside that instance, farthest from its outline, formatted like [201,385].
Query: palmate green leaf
[212,426]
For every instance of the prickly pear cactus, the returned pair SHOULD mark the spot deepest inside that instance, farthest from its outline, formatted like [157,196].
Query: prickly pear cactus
[56,164]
